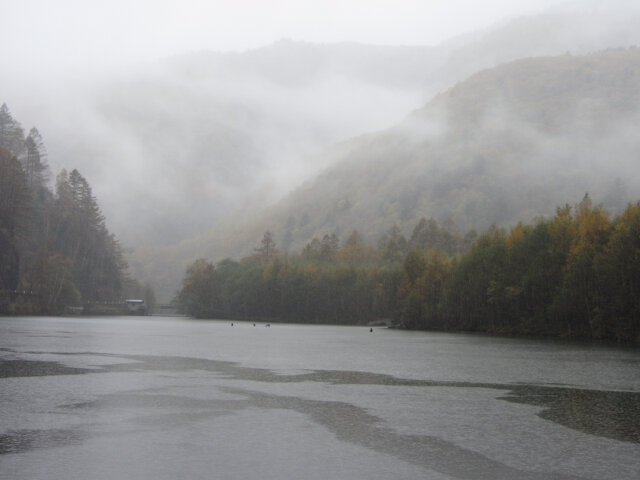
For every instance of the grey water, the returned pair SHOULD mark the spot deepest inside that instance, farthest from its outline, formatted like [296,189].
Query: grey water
[166,398]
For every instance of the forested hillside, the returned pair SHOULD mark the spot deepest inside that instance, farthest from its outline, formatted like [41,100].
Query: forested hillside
[508,144]
[576,275]
[55,248]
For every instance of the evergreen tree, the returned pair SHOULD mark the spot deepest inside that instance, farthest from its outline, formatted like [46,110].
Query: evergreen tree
[329,247]
[311,250]
[267,249]
[580,290]
[393,245]
[55,246]
[617,271]
[34,160]
[199,290]
[15,203]
[11,133]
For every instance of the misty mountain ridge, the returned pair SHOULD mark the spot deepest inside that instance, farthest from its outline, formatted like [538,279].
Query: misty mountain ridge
[185,151]
[508,144]
[190,139]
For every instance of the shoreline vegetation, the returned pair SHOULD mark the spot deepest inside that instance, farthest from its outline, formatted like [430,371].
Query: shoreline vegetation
[575,276]
[56,253]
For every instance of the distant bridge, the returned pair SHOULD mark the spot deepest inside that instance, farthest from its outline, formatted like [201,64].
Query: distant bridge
[166,309]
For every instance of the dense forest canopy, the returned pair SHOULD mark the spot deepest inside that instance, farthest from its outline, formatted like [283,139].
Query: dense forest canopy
[55,248]
[576,275]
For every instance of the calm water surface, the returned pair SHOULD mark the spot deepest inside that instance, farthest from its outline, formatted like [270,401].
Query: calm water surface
[166,398]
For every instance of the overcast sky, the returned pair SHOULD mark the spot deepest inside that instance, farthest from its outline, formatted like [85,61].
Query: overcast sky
[87,33]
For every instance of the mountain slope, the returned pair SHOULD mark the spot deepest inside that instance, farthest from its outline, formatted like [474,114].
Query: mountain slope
[190,139]
[507,144]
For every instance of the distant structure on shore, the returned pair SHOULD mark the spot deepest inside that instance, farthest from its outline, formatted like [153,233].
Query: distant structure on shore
[135,306]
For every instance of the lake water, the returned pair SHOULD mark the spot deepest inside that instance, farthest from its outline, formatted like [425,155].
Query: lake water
[167,398]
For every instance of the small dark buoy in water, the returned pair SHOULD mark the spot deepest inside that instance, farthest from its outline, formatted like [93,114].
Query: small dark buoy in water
[370,330]
[232,324]
[254,324]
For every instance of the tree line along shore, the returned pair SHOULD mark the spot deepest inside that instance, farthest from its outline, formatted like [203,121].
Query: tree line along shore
[576,275]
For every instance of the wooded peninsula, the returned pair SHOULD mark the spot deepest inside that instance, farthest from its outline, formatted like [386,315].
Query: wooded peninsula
[576,276]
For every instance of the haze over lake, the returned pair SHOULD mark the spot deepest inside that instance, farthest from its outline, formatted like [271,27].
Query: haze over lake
[166,397]
[455,166]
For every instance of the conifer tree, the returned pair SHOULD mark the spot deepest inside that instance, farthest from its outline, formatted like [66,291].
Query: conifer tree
[267,249]
[11,133]
[14,213]
[34,160]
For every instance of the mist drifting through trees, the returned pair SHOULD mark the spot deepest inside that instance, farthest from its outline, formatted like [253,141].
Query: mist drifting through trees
[55,248]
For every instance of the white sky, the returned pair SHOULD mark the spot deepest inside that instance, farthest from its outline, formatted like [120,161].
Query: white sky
[45,34]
